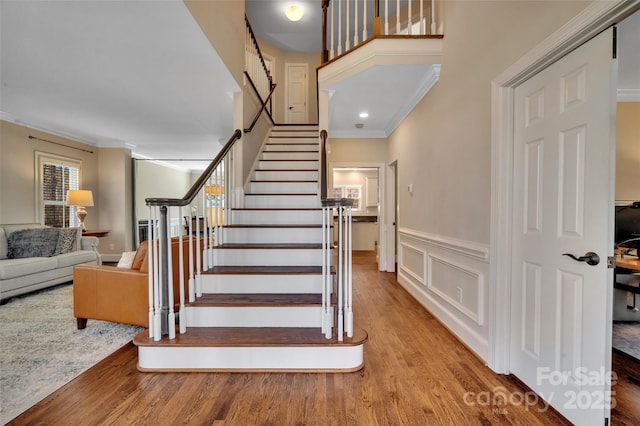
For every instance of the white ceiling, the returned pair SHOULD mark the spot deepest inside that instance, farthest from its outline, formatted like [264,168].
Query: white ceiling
[141,74]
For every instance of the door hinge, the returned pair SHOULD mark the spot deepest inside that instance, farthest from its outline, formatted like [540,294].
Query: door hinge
[611,262]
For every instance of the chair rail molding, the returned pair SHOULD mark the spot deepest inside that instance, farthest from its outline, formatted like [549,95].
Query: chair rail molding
[476,251]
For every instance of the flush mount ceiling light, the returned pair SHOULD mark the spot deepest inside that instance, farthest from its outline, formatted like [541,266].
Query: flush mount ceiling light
[293,12]
[364,114]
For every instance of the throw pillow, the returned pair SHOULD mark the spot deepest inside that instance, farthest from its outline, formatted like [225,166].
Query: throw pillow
[66,241]
[127,259]
[38,242]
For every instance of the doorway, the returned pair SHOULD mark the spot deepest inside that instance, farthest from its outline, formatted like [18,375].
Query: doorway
[296,93]
[365,182]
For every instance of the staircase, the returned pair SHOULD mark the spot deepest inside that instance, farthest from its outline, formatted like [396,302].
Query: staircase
[261,307]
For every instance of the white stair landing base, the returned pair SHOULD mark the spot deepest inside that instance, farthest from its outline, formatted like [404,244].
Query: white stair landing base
[257,350]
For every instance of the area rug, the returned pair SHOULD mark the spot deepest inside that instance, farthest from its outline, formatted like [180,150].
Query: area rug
[626,338]
[42,349]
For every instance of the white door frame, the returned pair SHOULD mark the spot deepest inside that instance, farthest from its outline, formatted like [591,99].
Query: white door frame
[592,20]
[383,262]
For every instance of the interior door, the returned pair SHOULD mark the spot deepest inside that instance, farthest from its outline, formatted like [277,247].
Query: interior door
[561,308]
[297,93]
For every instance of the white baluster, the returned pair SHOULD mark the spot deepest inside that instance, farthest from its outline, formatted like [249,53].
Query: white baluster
[364,21]
[433,16]
[397,16]
[340,275]
[171,319]
[198,258]
[355,20]
[183,319]
[339,27]
[325,296]
[349,267]
[347,45]
[386,17]
[150,276]
[205,257]
[409,19]
[192,278]
[332,52]
[422,26]
[157,321]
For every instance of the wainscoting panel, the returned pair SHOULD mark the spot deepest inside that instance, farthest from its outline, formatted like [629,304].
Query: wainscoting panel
[458,285]
[448,277]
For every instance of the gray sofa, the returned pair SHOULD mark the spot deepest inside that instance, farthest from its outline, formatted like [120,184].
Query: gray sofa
[33,256]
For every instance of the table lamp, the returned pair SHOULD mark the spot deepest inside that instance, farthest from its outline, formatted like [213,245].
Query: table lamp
[80,198]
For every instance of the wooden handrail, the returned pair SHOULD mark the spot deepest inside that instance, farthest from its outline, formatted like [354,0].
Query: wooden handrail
[197,186]
[262,107]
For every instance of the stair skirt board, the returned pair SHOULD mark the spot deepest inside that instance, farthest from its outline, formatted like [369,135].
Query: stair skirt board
[255,316]
[275,284]
[251,359]
[277,216]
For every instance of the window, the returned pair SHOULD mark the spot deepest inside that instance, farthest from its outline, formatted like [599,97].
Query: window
[56,175]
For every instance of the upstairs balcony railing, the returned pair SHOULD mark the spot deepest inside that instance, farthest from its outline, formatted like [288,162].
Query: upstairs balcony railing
[258,75]
[349,23]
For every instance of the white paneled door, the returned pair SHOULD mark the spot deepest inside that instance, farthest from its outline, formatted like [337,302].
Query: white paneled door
[297,93]
[563,203]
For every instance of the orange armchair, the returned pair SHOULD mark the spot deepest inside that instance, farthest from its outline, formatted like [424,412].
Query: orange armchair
[121,295]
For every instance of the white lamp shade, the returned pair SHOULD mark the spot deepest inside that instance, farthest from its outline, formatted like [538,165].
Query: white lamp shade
[79,197]
[294,12]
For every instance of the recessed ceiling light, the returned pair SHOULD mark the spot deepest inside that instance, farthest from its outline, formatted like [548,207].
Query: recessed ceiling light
[294,12]
[364,114]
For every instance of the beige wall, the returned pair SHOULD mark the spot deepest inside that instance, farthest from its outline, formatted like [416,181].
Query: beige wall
[115,200]
[222,21]
[628,152]
[281,58]
[443,147]
[362,150]
[18,172]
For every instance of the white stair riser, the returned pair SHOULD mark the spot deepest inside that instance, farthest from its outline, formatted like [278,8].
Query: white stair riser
[289,156]
[288,165]
[290,147]
[254,316]
[273,235]
[277,217]
[293,139]
[269,283]
[283,187]
[286,175]
[267,257]
[281,201]
[251,358]
[300,127]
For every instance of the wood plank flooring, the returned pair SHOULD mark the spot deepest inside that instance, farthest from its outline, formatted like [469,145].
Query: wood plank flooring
[416,373]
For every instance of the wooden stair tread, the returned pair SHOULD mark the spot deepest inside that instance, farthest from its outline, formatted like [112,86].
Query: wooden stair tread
[293,246]
[286,181]
[282,194]
[276,208]
[251,337]
[267,270]
[258,226]
[258,299]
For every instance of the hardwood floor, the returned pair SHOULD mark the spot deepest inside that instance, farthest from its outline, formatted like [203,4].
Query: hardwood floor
[415,373]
